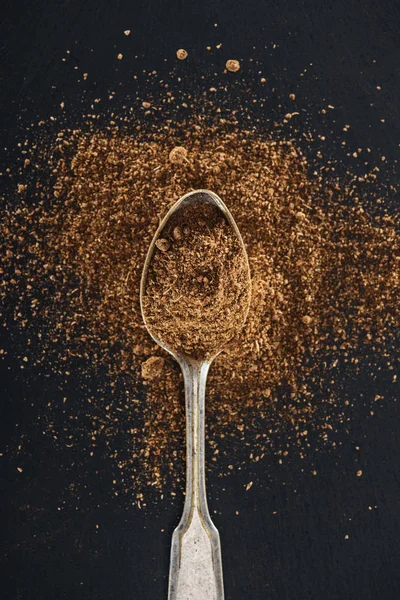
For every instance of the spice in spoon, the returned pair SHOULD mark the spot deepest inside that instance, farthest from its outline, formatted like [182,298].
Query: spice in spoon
[197,288]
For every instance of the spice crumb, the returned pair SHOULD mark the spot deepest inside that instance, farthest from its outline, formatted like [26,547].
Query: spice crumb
[181,54]
[163,244]
[307,320]
[153,368]
[232,65]
[177,233]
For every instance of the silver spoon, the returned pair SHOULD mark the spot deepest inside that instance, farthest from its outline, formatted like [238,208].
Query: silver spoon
[196,564]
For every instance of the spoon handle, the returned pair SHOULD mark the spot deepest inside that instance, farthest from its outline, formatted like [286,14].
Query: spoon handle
[196,565]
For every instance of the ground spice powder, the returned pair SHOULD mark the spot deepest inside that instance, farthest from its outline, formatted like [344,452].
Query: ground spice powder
[325,287]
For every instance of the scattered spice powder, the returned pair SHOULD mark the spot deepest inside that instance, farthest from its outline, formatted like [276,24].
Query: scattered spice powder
[325,286]
[197,289]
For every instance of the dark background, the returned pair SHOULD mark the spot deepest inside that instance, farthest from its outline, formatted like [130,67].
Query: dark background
[288,539]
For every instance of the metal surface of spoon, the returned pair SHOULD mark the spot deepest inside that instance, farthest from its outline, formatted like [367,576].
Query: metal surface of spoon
[196,564]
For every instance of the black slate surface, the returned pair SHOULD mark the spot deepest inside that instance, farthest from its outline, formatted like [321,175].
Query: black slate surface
[288,540]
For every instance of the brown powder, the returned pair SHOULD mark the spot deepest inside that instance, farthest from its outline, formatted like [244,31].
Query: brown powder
[197,287]
[323,254]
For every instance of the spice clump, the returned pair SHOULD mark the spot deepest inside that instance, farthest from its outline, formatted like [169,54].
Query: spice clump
[197,290]
[178,155]
[153,368]
[181,54]
[232,65]
[323,253]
